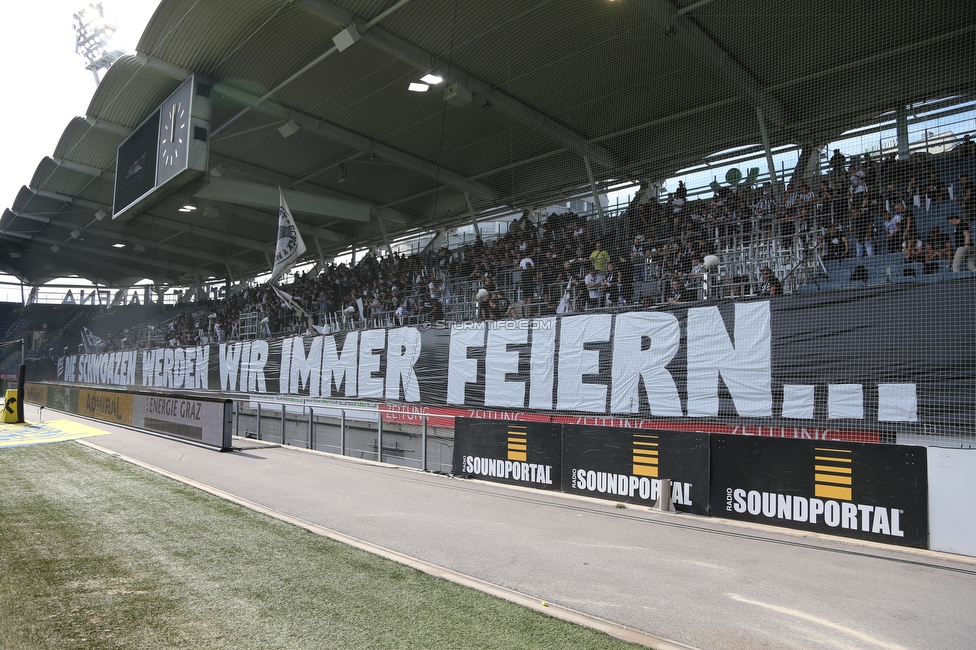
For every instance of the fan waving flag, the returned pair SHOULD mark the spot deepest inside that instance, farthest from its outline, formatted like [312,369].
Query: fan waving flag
[289,300]
[290,245]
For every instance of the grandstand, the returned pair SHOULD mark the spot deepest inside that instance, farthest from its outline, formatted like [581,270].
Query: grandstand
[690,110]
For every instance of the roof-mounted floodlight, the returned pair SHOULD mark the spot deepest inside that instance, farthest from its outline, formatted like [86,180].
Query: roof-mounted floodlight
[93,38]
[418,87]
[433,77]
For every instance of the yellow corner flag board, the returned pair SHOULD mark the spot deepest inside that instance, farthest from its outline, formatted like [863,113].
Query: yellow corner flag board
[16,435]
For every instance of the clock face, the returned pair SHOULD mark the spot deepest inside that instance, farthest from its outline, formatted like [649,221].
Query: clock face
[174,134]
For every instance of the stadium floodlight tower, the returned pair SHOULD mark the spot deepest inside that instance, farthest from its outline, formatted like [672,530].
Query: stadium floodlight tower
[93,39]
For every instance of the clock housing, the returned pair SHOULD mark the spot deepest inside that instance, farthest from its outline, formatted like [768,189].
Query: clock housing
[173,141]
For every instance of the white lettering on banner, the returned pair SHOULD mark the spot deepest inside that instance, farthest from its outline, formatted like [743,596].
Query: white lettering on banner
[462,370]
[176,368]
[336,368]
[370,374]
[572,394]
[299,369]
[116,368]
[746,369]
[629,486]
[542,364]
[285,379]
[242,366]
[402,353]
[257,359]
[643,344]
[596,365]
[358,368]
[843,514]
[631,363]
[508,469]
[229,358]
[500,361]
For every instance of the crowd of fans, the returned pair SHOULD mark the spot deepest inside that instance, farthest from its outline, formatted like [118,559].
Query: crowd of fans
[566,262]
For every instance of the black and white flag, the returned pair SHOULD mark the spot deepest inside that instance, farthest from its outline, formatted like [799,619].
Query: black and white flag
[289,300]
[290,245]
[91,342]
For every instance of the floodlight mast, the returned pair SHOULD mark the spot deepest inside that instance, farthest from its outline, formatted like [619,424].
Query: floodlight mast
[93,34]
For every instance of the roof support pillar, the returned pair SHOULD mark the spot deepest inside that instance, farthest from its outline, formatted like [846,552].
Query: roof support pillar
[386,237]
[318,246]
[474,221]
[596,197]
[901,128]
[769,154]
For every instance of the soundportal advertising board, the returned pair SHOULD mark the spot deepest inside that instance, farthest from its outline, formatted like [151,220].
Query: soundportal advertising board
[627,465]
[864,491]
[516,453]
[623,465]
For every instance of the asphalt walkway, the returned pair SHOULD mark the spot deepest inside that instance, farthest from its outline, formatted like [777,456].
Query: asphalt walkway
[702,582]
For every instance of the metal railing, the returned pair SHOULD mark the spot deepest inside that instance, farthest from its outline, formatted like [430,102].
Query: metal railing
[368,432]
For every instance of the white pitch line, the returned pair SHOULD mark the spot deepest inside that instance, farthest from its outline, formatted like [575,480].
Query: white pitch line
[821,621]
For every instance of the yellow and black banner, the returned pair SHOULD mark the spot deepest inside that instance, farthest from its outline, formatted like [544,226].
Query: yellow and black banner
[516,452]
[627,465]
[865,491]
[103,405]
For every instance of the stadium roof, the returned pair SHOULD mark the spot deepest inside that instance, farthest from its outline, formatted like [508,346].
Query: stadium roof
[560,93]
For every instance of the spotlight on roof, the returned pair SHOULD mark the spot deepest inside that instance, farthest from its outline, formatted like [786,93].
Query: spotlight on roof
[189,207]
[101,214]
[289,128]
[418,87]
[118,245]
[433,77]
[55,248]
[76,233]
[346,37]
